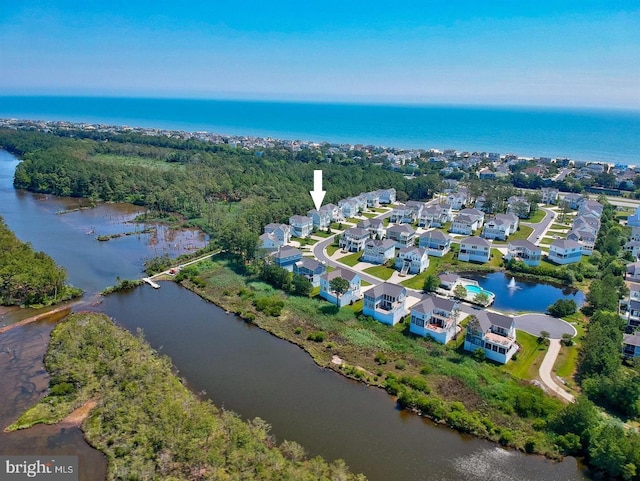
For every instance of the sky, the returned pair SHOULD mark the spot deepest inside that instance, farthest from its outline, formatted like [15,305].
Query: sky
[548,53]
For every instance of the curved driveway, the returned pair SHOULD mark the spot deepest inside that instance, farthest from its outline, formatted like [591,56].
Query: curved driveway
[534,324]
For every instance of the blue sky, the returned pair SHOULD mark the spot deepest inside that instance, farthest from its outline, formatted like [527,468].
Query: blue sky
[560,53]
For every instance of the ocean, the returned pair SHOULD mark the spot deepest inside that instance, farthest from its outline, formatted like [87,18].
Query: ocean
[579,134]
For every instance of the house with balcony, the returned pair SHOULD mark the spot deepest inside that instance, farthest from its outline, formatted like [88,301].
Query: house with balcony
[373,199]
[286,257]
[353,293]
[519,206]
[349,207]
[377,251]
[586,237]
[549,195]
[412,260]
[494,333]
[335,212]
[321,218]
[524,251]
[374,226]
[457,200]
[404,235]
[269,242]
[565,251]
[435,215]
[436,318]
[387,196]
[281,231]
[467,221]
[301,226]
[311,269]
[436,242]
[573,200]
[475,249]
[500,227]
[631,345]
[353,239]
[385,303]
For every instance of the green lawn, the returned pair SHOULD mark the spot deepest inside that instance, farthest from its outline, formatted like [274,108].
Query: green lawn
[379,210]
[322,233]
[522,233]
[529,358]
[381,272]
[337,225]
[537,217]
[369,215]
[546,240]
[567,362]
[305,241]
[331,249]
[365,283]
[560,226]
[353,220]
[350,259]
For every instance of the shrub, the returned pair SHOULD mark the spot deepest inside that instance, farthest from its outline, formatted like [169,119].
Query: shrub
[562,308]
[416,382]
[381,358]
[401,364]
[298,330]
[318,336]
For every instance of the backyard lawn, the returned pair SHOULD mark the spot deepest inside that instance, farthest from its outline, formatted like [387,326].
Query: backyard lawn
[529,357]
[381,272]
[522,233]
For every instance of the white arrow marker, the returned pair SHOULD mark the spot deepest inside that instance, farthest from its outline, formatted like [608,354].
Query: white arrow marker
[317,194]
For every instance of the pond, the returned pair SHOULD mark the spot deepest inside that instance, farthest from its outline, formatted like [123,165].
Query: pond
[523,294]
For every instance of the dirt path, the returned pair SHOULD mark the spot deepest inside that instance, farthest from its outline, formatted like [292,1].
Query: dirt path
[80,414]
[37,317]
[546,374]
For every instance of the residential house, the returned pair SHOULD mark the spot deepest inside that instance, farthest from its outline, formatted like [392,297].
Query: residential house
[586,237]
[631,345]
[269,242]
[591,206]
[634,220]
[524,251]
[352,294]
[435,215]
[286,257]
[475,249]
[349,207]
[416,208]
[436,242]
[399,213]
[500,227]
[486,174]
[629,306]
[387,196]
[301,226]
[448,280]
[549,195]
[378,251]
[374,226]
[494,333]
[467,222]
[633,247]
[480,202]
[321,218]
[457,200]
[573,200]
[403,234]
[385,303]
[353,239]
[311,269]
[633,271]
[281,231]
[436,318]
[413,260]
[372,199]
[519,206]
[588,220]
[565,251]
[335,212]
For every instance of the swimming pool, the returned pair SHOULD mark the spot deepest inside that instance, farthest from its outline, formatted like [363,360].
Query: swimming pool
[471,289]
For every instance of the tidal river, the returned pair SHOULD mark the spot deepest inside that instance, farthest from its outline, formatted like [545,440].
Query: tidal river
[238,366]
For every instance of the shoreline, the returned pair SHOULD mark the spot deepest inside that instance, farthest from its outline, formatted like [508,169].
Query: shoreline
[38,317]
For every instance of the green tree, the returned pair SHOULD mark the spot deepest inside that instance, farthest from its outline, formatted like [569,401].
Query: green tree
[460,292]
[481,298]
[431,283]
[301,285]
[562,307]
[339,285]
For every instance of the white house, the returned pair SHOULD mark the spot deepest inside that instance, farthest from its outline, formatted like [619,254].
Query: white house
[436,242]
[435,215]
[281,231]
[629,307]
[565,251]
[352,294]
[269,242]
[586,238]
[633,271]
[633,247]
[403,234]
[588,220]
[374,226]
[494,333]
[436,318]
[379,251]
[349,207]
[525,251]
[549,195]
[457,200]
[387,196]
[573,200]
[321,218]
[373,199]
[500,227]
[353,239]
[301,226]
[467,222]
[475,249]
[413,260]
[385,303]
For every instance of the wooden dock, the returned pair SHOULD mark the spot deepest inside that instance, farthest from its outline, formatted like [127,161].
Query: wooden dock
[151,283]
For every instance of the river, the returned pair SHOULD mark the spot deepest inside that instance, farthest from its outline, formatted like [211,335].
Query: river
[237,365]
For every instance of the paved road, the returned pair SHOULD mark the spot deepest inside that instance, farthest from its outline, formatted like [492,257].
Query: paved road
[534,324]
[541,227]
[546,374]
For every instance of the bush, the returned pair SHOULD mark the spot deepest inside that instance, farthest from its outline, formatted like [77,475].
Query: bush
[401,364]
[381,358]
[562,308]
[318,336]
[272,306]
[416,382]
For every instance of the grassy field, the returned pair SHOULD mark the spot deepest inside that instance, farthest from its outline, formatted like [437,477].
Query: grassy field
[350,259]
[522,233]
[322,233]
[536,217]
[370,215]
[381,272]
[546,240]
[530,357]
[560,226]
[137,161]
[331,249]
[305,242]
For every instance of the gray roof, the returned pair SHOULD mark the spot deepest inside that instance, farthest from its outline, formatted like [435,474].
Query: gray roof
[387,288]
[430,302]
[507,217]
[373,223]
[488,319]
[435,234]
[631,339]
[310,264]
[470,211]
[384,243]
[401,228]
[345,274]
[633,268]
[285,252]
[524,243]
[565,243]
[356,232]
[300,219]
[407,250]
[448,278]
[475,240]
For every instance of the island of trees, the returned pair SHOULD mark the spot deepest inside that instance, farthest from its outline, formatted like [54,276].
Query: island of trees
[232,193]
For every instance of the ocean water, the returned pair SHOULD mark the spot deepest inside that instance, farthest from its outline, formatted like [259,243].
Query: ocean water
[593,135]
